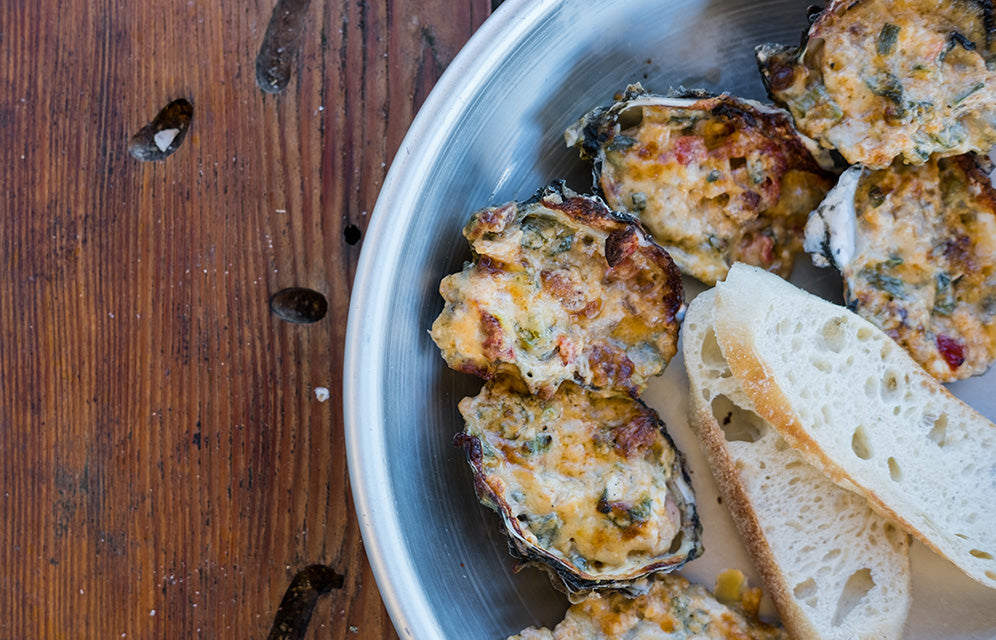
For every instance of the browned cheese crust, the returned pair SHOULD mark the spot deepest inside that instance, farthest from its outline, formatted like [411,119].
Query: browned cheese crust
[561,288]
[587,482]
[885,79]
[924,267]
[716,180]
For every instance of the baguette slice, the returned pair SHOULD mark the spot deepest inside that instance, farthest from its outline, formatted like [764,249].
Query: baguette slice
[834,568]
[860,409]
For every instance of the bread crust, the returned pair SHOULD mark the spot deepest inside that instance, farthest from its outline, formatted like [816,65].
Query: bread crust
[727,477]
[735,320]
[705,387]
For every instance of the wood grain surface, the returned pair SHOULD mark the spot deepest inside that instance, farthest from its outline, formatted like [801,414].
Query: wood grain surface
[166,466]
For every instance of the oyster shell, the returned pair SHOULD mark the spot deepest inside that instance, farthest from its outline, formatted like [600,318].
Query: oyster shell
[916,246]
[885,79]
[588,484]
[716,179]
[561,288]
[673,608]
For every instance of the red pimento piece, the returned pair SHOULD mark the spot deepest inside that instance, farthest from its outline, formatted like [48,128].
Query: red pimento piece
[951,350]
[689,148]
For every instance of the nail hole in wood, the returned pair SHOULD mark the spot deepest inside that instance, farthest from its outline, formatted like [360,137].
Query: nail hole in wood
[299,305]
[298,603]
[352,234]
[280,45]
[163,136]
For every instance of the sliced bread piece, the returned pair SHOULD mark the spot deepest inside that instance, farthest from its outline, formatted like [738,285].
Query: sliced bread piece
[834,568]
[859,408]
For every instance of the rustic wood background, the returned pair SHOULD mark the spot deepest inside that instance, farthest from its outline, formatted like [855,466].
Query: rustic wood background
[165,465]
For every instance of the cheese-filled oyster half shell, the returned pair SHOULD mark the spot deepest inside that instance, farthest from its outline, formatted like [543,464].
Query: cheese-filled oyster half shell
[716,179]
[885,79]
[588,484]
[917,250]
[673,609]
[561,288]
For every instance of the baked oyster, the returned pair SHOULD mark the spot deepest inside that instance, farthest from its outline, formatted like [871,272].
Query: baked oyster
[885,79]
[917,250]
[716,179]
[588,484]
[673,609]
[561,288]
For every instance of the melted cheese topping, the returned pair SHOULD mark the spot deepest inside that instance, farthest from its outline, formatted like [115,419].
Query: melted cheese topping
[542,301]
[716,182]
[585,477]
[672,610]
[924,268]
[883,79]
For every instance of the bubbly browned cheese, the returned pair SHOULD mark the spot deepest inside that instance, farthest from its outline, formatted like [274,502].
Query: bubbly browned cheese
[924,266]
[886,79]
[587,482]
[561,288]
[716,180]
[673,609]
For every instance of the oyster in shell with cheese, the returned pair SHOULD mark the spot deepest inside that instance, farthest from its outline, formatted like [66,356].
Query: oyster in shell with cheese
[885,79]
[673,609]
[588,484]
[560,288]
[716,179]
[917,249]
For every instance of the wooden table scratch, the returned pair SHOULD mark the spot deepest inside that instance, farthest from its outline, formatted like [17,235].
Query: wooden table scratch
[169,460]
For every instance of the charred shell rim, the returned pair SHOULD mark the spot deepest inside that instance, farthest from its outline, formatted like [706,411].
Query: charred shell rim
[593,131]
[624,231]
[777,64]
[567,577]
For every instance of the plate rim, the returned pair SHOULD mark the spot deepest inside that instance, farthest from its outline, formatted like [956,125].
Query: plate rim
[372,493]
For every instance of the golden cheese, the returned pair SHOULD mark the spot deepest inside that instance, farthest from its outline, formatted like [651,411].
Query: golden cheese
[716,180]
[588,478]
[924,263]
[885,79]
[561,288]
[673,609]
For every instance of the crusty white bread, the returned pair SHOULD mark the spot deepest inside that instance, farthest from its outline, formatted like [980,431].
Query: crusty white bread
[833,567]
[859,408]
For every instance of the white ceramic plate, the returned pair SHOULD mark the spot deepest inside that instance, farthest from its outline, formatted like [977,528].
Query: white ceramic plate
[491,132]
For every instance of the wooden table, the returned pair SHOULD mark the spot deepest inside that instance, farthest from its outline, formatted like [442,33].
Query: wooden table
[166,465]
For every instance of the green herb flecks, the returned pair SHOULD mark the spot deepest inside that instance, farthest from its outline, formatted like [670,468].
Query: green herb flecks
[539,232]
[817,103]
[944,300]
[621,143]
[886,42]
[545,528]
[890,284]
[642,511]
[755,169]
[539,444]
[888,86]
[975,88]
[526,337]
